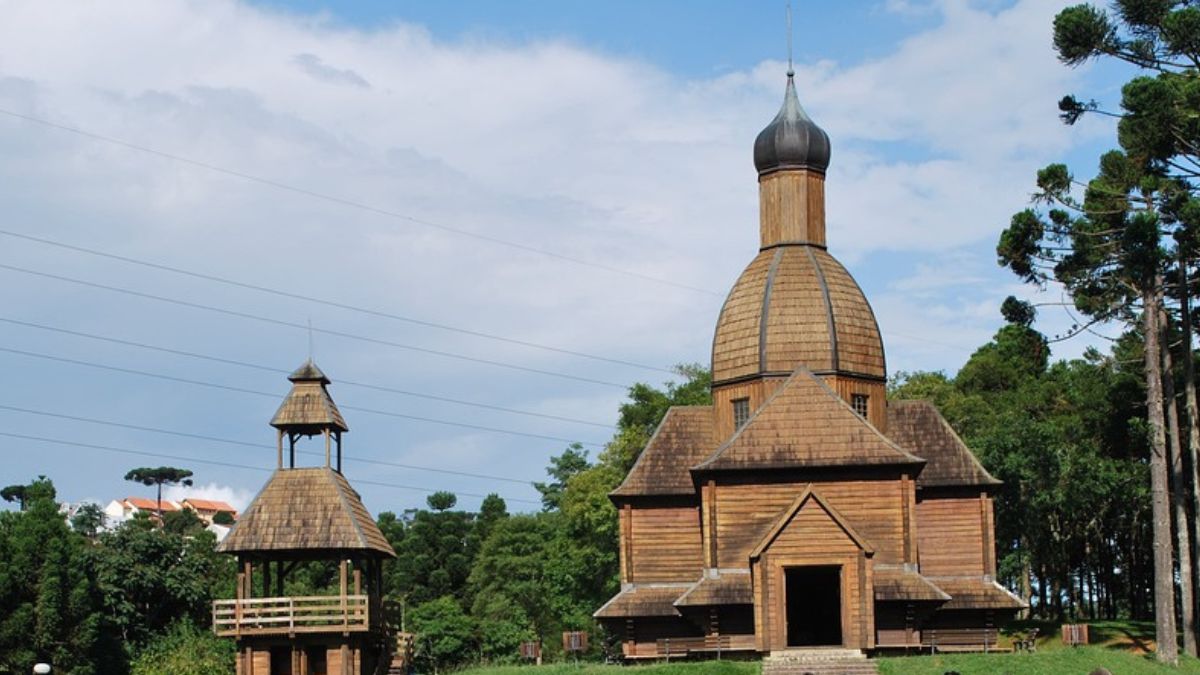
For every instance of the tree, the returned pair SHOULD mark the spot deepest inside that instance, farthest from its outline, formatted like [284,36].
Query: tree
[444,634]
[52,609]
[223,518]
[163,475]
[562,467]
[41,488]
[441,501]
[1108,248]
[88,520]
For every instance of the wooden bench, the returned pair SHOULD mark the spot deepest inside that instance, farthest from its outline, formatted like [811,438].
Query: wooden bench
[1026,641]
[983,640]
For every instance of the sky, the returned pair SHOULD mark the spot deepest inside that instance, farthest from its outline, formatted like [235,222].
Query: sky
[483,220]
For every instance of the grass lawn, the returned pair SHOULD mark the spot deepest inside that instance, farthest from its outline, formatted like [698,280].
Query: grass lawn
[691,668]
[1123,647]
[1068,661]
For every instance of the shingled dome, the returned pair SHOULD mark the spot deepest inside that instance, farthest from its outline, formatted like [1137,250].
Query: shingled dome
[792,140]
[796,306]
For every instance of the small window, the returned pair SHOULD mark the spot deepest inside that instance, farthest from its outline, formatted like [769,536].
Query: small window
[859,403]
[741,412]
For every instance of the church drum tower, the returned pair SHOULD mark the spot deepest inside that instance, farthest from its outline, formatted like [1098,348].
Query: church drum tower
[802,509]
[306,514]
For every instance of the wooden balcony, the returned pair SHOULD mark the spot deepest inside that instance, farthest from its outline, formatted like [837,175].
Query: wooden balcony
[289,616]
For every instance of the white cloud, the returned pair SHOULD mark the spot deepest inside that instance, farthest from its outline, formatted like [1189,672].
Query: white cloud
[545,143]
[238,498]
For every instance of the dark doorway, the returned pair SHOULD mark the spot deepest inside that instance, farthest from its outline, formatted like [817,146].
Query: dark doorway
[281,661]
[316,660]
[814,605]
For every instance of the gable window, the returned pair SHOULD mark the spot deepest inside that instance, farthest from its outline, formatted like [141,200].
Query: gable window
[741,412]
[859,403]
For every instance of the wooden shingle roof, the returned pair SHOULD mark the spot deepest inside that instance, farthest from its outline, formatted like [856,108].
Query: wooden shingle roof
[307,510]
[729,588]
[976,593]
[805,424]
[897,582]
[918,427]
[796,305]
[308,407]
[642,600]
[684,437]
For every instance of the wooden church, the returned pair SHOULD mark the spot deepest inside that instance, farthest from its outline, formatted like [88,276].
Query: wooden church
[307,514]
[802,509]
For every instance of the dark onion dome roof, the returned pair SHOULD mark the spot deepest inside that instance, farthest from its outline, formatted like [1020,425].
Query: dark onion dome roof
[792,140]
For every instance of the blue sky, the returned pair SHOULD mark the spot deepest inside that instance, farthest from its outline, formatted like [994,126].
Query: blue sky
[412,136]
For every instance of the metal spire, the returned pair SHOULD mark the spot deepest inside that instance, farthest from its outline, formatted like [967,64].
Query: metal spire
[790,71]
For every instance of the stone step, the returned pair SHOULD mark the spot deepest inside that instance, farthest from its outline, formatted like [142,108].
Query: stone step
[867,668]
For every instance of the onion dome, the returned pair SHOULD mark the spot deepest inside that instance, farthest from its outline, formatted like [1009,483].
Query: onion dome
[792,140]
[796,306]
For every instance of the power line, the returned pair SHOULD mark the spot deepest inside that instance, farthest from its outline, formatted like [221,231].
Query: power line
[306,327]
[329,303]
[193,460]
[357,205]
[230,441]
[272,369]
[241,390]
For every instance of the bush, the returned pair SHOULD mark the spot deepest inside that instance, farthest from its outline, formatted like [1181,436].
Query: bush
[185,649]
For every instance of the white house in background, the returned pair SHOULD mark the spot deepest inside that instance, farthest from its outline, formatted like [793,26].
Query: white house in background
[119,510]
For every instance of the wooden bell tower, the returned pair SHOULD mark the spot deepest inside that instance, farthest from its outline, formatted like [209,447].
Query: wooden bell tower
[306,514]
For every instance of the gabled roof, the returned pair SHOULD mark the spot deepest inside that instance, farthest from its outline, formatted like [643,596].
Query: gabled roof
[308,406]
[728,588]
[897,582]
[208,505]
[805,424]
[684,437]
[151,504]
[311,509]
[642,600]
[919,427]
[808,494]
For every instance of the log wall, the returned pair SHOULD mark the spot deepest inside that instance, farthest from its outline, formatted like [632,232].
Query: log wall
[955,534]
[664,543]
[744,511]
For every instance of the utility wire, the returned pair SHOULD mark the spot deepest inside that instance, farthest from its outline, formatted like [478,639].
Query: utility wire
[272,369]
[225,387]
[230,441]
[328,303]
[357,205]
[306,327]
[213,462]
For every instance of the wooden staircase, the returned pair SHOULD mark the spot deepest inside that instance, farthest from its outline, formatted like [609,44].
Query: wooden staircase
[818,661]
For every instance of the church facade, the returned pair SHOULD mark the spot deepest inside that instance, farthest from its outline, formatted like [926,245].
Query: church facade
[802,509]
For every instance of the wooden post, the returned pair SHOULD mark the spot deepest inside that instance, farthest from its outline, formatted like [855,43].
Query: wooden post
[279,449]
[327,462]
[266,579]
[339,452]
[345,647]
[345,615]
[279,578]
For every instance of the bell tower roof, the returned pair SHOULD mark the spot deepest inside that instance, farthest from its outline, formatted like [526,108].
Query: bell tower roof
[792,140]
[308,408]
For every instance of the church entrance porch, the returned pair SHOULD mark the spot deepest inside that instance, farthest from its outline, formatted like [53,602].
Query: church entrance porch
[813,600]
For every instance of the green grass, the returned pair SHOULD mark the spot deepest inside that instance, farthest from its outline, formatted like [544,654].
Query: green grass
[1123,647]
[690,668]
[1066,661]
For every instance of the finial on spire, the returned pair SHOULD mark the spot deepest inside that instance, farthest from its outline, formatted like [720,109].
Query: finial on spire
[790,71]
